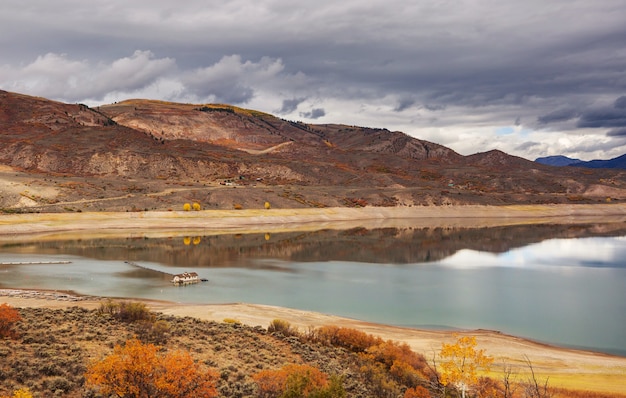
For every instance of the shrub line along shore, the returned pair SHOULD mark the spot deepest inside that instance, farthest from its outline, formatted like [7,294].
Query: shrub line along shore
[564,366]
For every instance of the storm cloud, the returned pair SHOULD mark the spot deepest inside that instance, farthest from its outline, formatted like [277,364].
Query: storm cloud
[455,75]
[314,113]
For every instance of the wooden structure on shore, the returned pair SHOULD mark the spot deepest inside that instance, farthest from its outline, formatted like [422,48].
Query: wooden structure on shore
[185,278]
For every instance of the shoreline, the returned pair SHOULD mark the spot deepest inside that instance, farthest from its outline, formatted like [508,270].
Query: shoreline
[564,367]
[280,220]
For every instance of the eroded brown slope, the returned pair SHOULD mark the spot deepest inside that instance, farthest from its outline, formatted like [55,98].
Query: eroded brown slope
[161,154]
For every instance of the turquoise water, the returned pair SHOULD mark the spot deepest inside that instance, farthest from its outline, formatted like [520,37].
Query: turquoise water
[569,292]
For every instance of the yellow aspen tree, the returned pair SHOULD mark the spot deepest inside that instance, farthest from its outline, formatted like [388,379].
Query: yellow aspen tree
[186,207]
[460,362]
[22,393]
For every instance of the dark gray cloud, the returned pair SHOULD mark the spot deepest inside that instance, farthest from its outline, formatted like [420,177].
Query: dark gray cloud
[290,105]
[404,103]
[613,116]
[618,132]
[315,113]
[453,75]
[620,103]
[527,145]
[560,115]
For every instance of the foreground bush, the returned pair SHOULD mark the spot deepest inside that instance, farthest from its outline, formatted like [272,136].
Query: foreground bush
[295,381]
[351,339]
[8,317]
[126,311]
[282,327]
[138,370]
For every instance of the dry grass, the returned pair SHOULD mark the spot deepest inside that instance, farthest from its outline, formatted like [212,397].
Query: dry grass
[55,346]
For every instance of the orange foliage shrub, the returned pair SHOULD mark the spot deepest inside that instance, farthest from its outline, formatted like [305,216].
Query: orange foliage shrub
[404,365]
[138,370]
[417,392]
[389,352]
[8,317]
[351,339]
[486,387]
[290,380]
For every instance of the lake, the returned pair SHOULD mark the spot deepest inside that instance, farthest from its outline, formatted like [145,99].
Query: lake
[560,284]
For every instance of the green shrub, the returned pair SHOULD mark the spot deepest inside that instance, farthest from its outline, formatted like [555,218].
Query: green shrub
[283,327]
[126,311]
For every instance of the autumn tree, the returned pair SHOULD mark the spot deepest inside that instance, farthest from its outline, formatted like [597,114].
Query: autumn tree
[196,206]
[8,317]
[20,393]
[460,362]
[267,205]
[186,207]
[138,371]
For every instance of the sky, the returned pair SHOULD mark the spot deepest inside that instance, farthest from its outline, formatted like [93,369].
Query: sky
[531,78]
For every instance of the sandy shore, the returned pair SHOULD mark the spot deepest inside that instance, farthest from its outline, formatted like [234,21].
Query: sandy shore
[567,368]
[277,220]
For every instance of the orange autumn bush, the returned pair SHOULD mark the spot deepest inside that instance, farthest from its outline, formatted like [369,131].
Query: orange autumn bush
[351,339]
[139,370]
[8,317]
[417,392]
[403,365]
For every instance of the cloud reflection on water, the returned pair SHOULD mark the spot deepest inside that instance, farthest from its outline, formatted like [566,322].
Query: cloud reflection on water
[584,252]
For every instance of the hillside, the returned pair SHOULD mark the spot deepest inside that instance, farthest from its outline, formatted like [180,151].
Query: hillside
[53,347]
[147,155]
[53,362]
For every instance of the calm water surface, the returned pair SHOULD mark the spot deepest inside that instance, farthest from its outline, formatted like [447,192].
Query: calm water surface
[566,291]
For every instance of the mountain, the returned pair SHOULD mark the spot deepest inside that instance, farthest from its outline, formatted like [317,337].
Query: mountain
[558,160]
[155,155]
[615,163]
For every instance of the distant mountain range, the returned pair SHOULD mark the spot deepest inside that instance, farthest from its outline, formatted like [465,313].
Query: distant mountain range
[615,163]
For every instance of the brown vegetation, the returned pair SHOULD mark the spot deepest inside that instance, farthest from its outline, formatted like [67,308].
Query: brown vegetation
[61,352]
